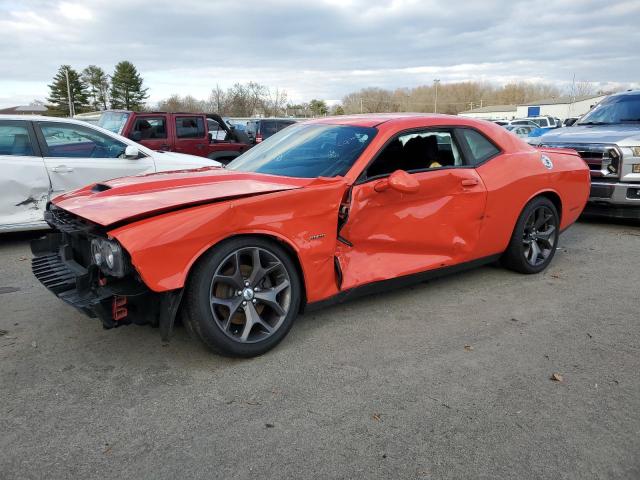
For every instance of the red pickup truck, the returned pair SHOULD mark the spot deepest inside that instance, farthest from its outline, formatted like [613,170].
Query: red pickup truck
[204,135]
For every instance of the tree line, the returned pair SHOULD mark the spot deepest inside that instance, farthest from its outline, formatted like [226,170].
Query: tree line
[92,89]
[453,98]
[245,100]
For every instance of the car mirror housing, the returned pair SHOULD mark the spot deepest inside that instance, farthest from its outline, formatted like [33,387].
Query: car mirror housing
[131,152]
[399,181]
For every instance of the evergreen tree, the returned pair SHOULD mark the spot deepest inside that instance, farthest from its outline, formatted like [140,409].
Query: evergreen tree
[58,103]
[98,86]
[318,107]
[126,87]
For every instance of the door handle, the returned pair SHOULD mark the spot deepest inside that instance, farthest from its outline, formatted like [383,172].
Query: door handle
[164,147]
[469,182]
[62,169]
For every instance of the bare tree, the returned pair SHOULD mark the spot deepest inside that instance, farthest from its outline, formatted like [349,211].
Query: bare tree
[218,101]
[584,88]
[275,103]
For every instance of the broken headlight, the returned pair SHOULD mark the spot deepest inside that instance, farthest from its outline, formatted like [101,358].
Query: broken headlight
[108,256]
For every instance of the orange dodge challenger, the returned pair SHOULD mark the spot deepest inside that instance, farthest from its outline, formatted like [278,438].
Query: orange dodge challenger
[320,212]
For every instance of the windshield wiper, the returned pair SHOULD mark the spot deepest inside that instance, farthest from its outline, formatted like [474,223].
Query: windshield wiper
[629,120]
[594,123]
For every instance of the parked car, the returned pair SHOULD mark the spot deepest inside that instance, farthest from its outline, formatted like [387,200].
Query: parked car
[522,122]
[204,135]
[41,157]
[608,139]
[521,131]
[546,121]
[323,211]
[260,129]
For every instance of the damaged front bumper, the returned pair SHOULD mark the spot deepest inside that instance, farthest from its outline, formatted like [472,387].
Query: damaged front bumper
[114,301]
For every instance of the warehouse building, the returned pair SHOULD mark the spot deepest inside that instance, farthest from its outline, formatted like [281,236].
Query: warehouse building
[560,107]
[494,112]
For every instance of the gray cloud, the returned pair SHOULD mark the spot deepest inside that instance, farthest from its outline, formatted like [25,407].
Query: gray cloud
[323,48]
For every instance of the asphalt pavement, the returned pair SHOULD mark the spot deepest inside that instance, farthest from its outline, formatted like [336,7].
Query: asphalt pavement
[450,379]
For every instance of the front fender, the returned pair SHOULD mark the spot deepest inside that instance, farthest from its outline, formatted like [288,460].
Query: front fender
[164,248]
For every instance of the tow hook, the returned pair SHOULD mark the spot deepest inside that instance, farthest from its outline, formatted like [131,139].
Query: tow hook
[119,309]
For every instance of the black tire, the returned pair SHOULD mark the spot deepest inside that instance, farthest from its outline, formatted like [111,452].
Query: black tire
[521,255]
[249,325]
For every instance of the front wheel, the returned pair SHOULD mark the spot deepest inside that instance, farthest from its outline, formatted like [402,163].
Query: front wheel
[243,297]
[535,237]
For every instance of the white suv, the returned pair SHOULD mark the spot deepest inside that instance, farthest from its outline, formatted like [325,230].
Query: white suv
[41,157]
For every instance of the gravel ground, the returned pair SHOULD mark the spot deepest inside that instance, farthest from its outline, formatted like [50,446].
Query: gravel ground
[447,379]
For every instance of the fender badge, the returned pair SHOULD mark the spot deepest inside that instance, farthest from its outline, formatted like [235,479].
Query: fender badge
[317,236]
[546,161]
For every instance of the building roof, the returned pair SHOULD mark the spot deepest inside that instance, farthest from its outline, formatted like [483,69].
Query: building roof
[493,108]
[565,99]
[24,109]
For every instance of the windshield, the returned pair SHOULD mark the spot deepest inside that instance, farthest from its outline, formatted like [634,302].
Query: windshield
[614,109]
[113,121]
[307,151]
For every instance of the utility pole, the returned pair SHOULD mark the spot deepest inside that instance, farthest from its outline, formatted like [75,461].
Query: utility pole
[361,111]
[71,109]
[436,82]
[573,95]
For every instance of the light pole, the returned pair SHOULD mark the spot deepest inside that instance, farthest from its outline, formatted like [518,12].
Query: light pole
[71,110]
[436,82]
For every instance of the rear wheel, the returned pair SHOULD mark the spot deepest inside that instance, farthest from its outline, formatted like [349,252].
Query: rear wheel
[535,237]
[243,297]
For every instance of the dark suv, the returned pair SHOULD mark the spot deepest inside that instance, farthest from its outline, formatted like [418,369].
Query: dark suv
[262,128]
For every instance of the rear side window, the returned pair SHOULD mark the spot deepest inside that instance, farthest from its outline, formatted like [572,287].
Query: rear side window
[479,148]
[268,128]
[14,140]
[190,127]
[151,127]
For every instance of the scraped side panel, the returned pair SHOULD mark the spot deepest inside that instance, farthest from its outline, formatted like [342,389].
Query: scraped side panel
[24,191]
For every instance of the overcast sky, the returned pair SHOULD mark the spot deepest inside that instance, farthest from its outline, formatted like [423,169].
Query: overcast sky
[321,48]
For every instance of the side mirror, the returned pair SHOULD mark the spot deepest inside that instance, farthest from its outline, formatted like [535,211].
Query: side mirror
[131,152]
[399,181]
[136,136]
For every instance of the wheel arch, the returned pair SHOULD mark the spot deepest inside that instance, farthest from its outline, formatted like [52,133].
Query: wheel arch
[279,240]
[554,197]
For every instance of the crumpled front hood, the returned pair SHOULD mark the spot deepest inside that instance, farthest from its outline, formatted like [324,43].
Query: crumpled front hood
[591,134]
[129,198]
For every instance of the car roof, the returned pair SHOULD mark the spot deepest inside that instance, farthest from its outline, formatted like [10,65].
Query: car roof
[31,118]
[375,119]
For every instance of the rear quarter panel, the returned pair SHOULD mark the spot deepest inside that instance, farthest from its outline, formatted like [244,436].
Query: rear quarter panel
[164,248]
[513,179]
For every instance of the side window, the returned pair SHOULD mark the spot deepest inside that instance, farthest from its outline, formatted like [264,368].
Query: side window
[268,128]
[14,140]
[151,127]
[189,127]
[417,151]
[65,140]
[479,147]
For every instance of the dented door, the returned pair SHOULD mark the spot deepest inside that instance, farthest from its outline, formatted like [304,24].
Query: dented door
[390,234]
[24,183]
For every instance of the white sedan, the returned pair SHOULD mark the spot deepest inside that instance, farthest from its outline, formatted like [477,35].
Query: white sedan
[41,157]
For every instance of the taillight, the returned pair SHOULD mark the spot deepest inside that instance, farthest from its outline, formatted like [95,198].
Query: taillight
[258,137]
